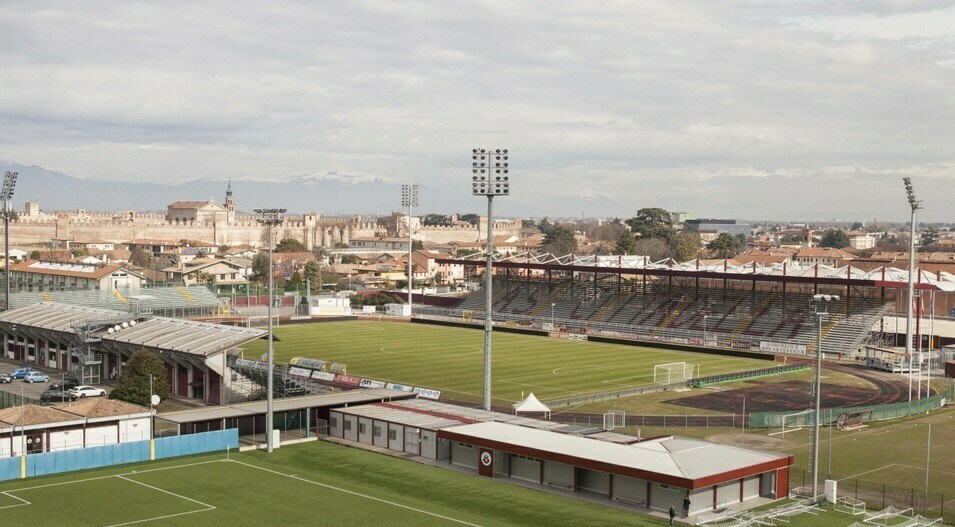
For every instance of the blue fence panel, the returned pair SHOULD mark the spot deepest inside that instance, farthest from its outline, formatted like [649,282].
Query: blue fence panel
[9,468]
[86,458]
[190,444]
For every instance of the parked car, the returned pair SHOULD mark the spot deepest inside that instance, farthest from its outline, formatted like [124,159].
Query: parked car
[56,395]
[66,384]
[35,376]
[5,378]
[87,391]
[19,373]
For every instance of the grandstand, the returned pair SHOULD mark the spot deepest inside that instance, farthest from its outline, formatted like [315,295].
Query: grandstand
[744,307]
[661,311]
[171,301]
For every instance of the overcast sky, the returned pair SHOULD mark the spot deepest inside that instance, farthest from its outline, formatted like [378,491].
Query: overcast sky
[754,109]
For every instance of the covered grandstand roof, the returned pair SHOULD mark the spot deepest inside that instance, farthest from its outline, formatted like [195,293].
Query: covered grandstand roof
[160,333]
[881,277]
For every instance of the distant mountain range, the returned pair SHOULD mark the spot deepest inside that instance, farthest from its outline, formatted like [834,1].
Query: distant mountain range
[330,193]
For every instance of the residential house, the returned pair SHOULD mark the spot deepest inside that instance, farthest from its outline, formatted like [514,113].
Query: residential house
[37,275]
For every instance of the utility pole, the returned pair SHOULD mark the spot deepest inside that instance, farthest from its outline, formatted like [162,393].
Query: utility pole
[6,194]
[409,198]
[914,205]
[821,309]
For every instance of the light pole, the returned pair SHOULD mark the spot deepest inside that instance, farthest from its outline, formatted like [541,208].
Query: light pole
[552,315]
[269,218]
[915,205]
[6,194]
[489,178]
[821,306]
[409,198]
[704,329]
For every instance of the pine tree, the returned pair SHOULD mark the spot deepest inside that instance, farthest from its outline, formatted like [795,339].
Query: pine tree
[134,382]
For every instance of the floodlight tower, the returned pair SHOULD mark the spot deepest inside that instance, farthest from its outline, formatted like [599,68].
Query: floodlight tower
[915,205]
[6,194]
[489,178]
[821,308]
[409,198]
[270,217]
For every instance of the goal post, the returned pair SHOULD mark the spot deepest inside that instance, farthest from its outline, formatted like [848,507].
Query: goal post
[793,422]
[673,372]
[615,419]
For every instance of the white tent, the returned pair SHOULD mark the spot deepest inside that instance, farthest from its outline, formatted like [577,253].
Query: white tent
[533,406]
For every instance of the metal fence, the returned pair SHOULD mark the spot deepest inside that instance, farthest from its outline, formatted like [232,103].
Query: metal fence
[741,375]
[881,495]
[9,400]
[829,415]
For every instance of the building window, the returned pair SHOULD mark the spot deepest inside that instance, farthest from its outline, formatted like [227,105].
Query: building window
[463,445]
[333,421]
[393,435]
[376,431]
[347,425]
[361,428]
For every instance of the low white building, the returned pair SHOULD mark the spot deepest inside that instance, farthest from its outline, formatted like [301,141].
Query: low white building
[93,421]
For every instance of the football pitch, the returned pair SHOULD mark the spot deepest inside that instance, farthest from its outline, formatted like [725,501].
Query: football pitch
[451,359]
[307,484]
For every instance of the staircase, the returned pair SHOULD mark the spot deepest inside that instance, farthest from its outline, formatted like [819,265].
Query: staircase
[673,314]
[187,295]
[753,314]
[120,296]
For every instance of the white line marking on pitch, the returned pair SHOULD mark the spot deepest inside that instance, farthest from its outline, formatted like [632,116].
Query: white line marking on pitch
[871,471]
[380,500]
[111,476]
[206,505]
[23,501]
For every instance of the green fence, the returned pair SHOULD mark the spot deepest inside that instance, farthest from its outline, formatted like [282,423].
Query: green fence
[830,415]
[9,400]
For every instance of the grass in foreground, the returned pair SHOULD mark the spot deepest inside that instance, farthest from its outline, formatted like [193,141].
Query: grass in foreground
[308,484]
[451,359]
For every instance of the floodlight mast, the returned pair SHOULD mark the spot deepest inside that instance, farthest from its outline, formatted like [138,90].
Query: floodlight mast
[821,309]
[489,178]
[6,194]
[914,205]
[409,198]
[269,218]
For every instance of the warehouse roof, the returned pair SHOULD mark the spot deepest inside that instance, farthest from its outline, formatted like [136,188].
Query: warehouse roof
[687,462]
[172,334]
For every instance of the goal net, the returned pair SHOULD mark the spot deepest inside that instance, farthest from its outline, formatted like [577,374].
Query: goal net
[793,422]
[672,372]
[615,419]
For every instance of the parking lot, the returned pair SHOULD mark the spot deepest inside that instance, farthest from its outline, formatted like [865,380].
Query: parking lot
[34,390]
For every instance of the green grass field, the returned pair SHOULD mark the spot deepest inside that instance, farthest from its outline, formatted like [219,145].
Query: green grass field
[451,359]
[306,484]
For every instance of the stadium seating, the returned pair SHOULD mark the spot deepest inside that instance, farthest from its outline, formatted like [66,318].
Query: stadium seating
[661,311]
[166,301]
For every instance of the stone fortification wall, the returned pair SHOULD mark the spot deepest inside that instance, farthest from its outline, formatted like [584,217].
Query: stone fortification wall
[310,229]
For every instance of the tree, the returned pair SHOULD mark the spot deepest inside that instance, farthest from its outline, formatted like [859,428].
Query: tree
[417,245]
[626,244]
[134,382]
[295,281]
[313,273]
[290,245]
[790,239]
[260,266]
[560,240]
[929,237]
[137,256]
[435,219]
[655,249]
[726,245]
[473,219]
[350,259]
[652,223]
[35,254]
[856,226]
[528,224]
[834,238]
[544,224]
[686,246]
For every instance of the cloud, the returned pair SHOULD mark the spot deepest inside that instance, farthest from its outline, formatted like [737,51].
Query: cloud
[694,106]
